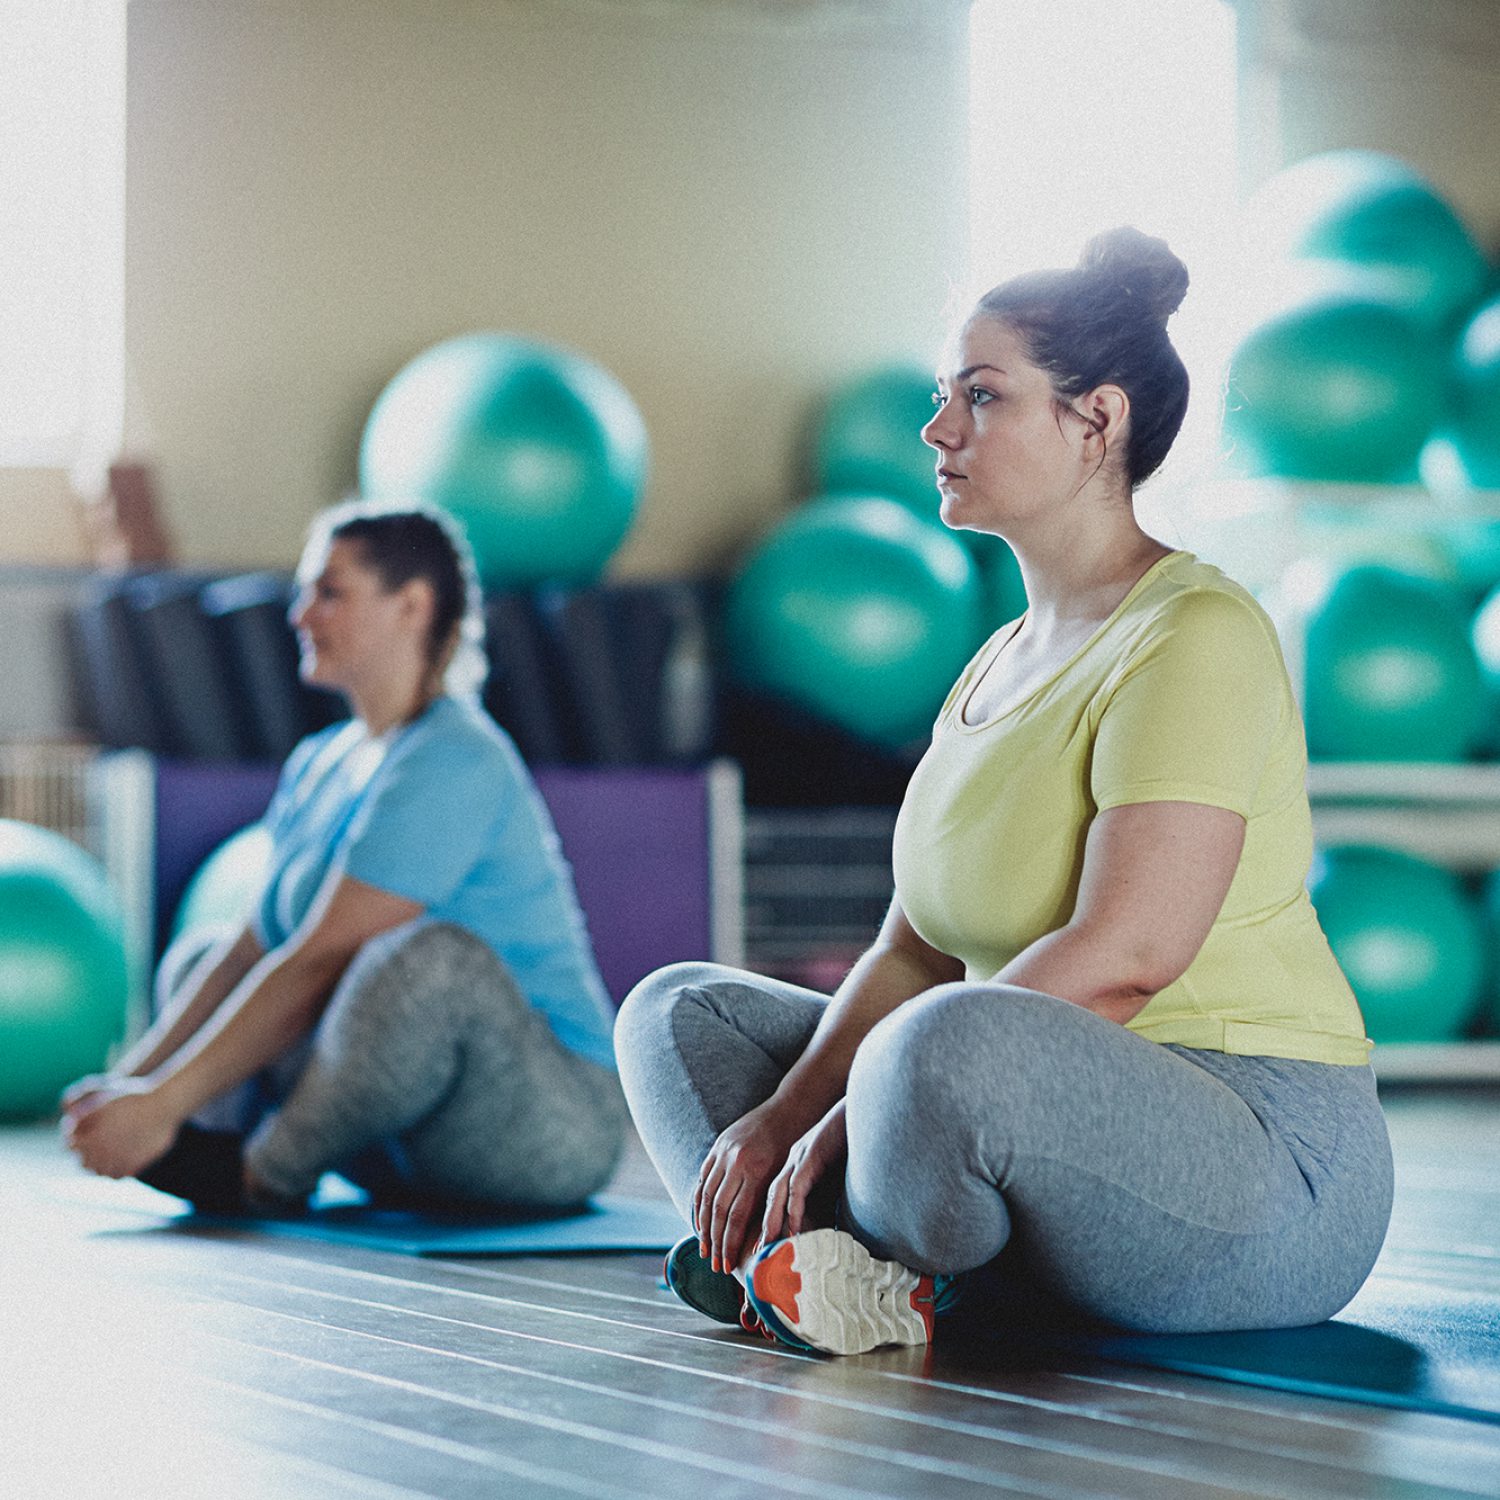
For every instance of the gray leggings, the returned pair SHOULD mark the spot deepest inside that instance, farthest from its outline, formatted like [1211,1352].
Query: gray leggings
[431,1075]
[1158,1187]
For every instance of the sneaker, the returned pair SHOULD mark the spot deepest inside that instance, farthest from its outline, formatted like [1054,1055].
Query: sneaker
[716,1294]
[823,1289]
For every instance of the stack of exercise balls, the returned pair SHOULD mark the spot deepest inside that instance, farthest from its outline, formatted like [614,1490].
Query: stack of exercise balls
[537,450]
[1352,370]
[64,974]
[862,607]
[1401,668]
[1371,340]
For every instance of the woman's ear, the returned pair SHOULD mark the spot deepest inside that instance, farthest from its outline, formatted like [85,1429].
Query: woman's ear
[1106,409]
[418,602]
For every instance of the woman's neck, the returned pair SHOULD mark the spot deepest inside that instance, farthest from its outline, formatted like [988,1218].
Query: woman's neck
[385,706]
[1083,578]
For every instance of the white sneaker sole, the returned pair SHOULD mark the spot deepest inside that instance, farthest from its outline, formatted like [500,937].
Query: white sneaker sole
[830,1292]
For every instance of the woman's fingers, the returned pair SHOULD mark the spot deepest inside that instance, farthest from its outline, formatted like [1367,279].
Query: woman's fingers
[726,1206]
[709,1177]
[796,1197]
[772,1225]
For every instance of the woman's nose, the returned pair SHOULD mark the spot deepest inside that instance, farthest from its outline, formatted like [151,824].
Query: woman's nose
[938,432]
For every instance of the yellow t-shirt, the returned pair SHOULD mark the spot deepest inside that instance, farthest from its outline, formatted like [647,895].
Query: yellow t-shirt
[1180,696]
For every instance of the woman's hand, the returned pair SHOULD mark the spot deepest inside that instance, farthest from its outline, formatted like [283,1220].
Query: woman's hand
[810,1160]
[733,1180]
[119,1127]
[92,1083]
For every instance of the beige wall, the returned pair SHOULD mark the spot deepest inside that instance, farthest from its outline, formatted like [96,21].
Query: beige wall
[727,209]
[1420,78]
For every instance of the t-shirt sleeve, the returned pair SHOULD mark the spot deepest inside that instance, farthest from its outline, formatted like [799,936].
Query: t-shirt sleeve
[1192,713]
[288,783]
[429,820]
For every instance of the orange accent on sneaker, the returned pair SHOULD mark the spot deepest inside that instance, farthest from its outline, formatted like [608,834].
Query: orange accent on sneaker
[778,1281]
[924,1302]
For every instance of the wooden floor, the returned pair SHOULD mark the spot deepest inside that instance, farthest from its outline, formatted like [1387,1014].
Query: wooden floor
[142,1362]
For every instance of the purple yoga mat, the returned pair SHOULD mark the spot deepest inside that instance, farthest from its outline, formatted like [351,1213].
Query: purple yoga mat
[638,840]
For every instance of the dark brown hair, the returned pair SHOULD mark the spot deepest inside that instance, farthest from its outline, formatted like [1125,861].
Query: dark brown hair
[1104,322]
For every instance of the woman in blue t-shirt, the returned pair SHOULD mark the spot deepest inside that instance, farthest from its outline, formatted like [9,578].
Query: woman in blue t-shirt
[413,1000]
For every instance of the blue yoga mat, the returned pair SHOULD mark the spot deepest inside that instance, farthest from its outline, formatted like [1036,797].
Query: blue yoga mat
[608,1223]
[1400,1343]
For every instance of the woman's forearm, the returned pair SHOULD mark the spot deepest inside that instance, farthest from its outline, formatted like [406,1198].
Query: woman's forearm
[883,980]
[210,983]
[275,1005]
[1084,966]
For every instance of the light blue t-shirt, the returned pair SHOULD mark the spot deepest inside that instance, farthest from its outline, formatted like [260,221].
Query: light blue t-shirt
[443,812]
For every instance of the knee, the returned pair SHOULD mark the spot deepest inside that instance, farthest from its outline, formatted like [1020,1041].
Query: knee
[648,1011]
[930,1047]
[420,957]
[918,1048]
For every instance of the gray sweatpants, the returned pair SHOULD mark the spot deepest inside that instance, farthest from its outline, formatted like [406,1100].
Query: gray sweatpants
[1158,1187]
[429,1074]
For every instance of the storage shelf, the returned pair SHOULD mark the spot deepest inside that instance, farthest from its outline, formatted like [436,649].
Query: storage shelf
[1437,1062]
[1429,782]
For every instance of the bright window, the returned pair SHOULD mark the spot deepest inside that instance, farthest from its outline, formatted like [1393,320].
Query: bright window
[1095,113]
[62,96]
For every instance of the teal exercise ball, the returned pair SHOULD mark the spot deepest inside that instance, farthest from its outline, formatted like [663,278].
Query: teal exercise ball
[539,452]
[225,886]
[64,973]
[1391,672]
[869,438]
[858,611]
[1475,429]
[1374,211]
[1001,585]
[1335,387]
[1408,937]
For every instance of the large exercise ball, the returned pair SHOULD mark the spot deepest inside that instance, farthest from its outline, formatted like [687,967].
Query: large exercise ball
[1408,937]
[539,452]
[1001,585]
[64,974]
[1475,430]
[1336,386]
[1390,670]
[859,611]
[225,886]
[1374,211]
[869,438]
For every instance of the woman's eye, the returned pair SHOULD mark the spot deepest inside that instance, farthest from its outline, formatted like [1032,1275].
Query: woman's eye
[978,396]
[938,398]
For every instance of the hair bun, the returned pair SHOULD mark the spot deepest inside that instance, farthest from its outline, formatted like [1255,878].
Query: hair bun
[1141,269]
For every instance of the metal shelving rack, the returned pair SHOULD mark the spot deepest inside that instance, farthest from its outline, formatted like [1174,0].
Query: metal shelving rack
[1259,532]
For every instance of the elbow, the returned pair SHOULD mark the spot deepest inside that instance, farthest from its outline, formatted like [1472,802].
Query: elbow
[1133,974]
[1140,981]
[1121,1003]
[309,978]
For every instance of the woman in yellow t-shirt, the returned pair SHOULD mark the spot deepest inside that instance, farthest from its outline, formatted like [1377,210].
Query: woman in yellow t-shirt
[1100,1048]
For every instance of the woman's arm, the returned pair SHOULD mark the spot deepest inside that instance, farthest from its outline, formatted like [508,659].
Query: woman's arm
[117,1132]
[1154,877]
[751,1152]
[211,982]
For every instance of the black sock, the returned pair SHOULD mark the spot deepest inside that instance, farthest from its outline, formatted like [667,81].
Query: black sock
[205,1167]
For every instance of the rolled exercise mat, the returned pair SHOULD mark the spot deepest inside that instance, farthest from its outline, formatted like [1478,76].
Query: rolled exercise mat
[248,616]
[193,676]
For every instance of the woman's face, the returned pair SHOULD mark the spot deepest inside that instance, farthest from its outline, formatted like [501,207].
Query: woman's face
[349,626]
[1005,450]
